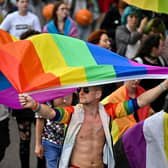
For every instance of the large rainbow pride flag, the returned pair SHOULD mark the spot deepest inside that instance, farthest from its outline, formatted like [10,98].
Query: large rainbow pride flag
[50,62]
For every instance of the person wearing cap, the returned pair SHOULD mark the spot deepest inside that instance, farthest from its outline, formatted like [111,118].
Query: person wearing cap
[128,35]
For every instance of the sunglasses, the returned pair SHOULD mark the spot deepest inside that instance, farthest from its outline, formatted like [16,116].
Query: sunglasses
[85,90]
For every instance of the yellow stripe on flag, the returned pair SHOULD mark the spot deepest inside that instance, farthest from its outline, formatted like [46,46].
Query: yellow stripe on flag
[55,62]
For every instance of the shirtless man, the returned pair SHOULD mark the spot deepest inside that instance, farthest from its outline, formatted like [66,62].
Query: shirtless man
[88,142]
[90,139]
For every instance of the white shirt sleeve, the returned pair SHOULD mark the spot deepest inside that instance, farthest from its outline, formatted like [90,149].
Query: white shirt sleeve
[6,23]
[37,25]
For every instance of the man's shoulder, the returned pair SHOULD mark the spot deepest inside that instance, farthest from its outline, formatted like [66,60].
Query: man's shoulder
[31,14]
[12,15]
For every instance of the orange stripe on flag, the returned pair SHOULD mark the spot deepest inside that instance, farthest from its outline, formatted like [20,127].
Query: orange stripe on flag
[34,77]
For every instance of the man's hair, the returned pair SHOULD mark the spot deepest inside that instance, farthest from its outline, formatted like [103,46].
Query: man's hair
[28,33]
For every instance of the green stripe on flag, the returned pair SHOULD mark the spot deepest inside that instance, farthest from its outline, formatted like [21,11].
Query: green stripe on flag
[76,53]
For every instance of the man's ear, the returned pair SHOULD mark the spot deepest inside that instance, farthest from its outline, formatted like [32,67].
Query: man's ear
[98,94]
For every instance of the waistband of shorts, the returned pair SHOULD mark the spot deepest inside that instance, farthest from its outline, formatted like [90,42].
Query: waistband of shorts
[73,166]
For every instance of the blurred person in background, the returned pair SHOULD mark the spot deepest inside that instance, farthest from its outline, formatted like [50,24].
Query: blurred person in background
[20,21]
[112,19]
[6,7]
[92,7]
[4,130]
[129,90]
[128,35]
[149,53]
[61,22]
[50,134]
[104,6]
[100,37]
[156,26]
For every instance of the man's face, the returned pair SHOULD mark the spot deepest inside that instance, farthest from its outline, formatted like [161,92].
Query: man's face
[23,5]
[132,83]
[89,95]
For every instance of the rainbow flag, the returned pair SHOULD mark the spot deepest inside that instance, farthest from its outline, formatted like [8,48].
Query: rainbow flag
[50,62]
[9,95]
[145,145]
[6,37]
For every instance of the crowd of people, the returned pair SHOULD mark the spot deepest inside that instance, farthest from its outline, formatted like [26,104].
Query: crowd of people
[80,130]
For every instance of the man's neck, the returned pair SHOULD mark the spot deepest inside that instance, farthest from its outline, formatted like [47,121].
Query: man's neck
[23,13]
[132,92]
[91,109]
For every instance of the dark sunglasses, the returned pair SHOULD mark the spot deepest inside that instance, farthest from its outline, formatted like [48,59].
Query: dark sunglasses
[85,90]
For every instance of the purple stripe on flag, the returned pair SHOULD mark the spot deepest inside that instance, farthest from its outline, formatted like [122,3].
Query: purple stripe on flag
[9,97]
[157,70]
[151,69]
[51,94]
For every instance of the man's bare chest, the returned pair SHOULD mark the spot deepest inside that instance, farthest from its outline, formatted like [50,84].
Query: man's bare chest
[91,128]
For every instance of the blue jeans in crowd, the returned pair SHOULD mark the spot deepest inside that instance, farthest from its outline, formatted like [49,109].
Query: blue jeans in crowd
[52,153]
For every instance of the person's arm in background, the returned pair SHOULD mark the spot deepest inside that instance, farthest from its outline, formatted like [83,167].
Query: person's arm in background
[142,25]
[39,150]
[150,95]
[128,107]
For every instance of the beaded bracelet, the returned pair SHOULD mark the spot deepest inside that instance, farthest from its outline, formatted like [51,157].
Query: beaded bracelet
[37,107]
[163,88]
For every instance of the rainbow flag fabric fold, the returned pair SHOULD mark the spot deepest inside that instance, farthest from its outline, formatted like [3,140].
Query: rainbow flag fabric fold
[6,37]
[145,145]
[49,62]
[9,95]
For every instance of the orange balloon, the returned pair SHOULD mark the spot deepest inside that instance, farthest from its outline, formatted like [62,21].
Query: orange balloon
[47,11]
[83,17]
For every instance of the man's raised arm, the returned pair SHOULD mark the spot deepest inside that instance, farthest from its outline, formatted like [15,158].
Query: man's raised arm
[44,110]
[150,95]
